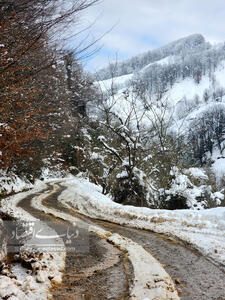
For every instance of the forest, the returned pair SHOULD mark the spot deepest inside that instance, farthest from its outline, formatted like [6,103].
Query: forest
[56,119]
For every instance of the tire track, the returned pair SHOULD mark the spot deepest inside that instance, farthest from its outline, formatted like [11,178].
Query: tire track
[196,277]
[86,270]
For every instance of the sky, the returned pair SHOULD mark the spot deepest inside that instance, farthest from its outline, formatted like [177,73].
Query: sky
[131,27]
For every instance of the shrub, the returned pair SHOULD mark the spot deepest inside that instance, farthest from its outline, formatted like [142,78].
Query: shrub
[129,191]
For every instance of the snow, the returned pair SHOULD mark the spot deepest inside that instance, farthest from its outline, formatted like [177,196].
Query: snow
[168,60]
[120,81]
[37,286]
[3,250]
[9,205]
[197,173]
[218,168]
[180,102]
[150,279]
[204,230]
[164,61]
[174,98]
[196,195]
[187,88]
[19,271]
[220,74]
[148,282]
[123,174]
[12,183]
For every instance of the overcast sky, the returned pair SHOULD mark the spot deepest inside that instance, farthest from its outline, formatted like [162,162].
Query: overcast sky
[140,25]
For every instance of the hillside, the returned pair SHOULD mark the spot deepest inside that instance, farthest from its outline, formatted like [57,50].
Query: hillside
[191,44]
[184,80]
[112,185]
[152,135]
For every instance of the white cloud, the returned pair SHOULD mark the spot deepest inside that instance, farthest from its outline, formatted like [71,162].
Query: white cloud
[124,44]
[144,24]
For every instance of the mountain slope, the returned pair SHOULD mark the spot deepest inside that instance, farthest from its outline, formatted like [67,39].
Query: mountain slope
[195,42]
[186,79]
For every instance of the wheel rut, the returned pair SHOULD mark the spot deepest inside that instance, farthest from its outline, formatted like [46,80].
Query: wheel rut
[100,271]
[196,277]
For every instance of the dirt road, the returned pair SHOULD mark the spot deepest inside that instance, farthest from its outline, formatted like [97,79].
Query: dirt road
[103,272]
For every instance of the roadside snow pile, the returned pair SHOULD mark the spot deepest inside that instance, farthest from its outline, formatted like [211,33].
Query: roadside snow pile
[15,289]
[2,242]
[9,205]
[10,182]
[46,266]
[203,229]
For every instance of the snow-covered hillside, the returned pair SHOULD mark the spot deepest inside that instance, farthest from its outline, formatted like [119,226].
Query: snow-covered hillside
[191,44]
[184,81]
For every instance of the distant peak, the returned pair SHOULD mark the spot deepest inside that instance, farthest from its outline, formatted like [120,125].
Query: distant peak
[193,38]
[193,42]
[196,36]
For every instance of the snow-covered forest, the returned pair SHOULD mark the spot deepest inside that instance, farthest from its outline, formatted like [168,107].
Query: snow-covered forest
[149,130]
[165,108]
[101,171]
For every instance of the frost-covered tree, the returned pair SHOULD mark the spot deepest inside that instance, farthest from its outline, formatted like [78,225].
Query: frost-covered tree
[137,146]
[207,133]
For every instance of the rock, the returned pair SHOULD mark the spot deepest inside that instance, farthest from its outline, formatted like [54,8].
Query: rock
[5,271]
[177,281]
[12,276]
[17,257]
[42,276]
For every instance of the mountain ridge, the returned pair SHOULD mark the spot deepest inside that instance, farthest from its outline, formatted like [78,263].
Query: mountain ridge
[135,63]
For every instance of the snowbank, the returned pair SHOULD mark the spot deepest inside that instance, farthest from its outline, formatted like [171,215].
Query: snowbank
[10,182]
[46,266]
[2,242]
[204,230]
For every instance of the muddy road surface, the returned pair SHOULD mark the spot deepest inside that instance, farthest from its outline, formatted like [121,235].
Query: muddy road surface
[103,272]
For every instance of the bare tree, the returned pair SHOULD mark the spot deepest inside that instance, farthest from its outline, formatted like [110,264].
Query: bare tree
[32,80]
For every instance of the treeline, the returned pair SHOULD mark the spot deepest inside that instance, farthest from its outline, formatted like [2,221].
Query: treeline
[191,44]
[157,79]
[189,57]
